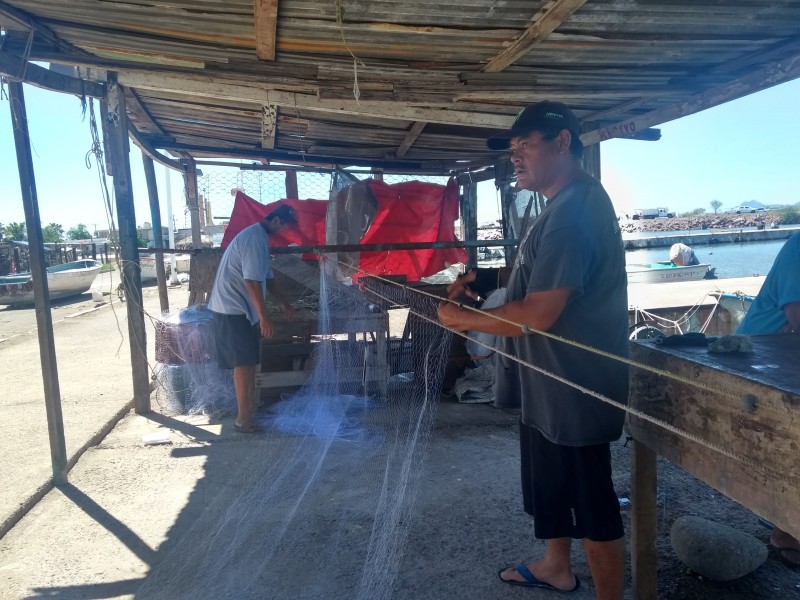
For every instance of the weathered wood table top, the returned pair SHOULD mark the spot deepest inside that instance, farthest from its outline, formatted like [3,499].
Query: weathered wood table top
[745,406]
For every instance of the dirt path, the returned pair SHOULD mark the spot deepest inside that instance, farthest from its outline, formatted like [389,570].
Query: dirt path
[94,370]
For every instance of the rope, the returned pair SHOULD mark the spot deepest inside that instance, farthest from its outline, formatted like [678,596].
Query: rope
[96,150]
[527,329]
[631,411]
[356,61]
[302,136]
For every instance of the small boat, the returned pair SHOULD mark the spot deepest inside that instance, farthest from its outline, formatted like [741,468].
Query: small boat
[663,271]
[69,279]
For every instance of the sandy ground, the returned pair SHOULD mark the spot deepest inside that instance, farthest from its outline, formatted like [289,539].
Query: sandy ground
[93,357]
[130,510]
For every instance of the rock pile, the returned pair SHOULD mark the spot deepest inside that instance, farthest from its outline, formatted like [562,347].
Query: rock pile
[701,222]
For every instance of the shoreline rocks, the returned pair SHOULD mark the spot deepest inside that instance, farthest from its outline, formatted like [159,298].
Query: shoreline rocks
[701,222]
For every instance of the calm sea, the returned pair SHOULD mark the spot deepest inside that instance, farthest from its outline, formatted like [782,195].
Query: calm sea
[730,260]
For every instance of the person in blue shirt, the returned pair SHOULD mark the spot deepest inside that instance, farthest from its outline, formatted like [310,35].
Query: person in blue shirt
[776,309]
[240,314]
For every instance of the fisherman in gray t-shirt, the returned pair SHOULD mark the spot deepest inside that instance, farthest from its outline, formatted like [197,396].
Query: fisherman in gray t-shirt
[240,316]
[568,280]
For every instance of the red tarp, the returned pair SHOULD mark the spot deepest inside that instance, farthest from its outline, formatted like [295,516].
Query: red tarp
[407,212]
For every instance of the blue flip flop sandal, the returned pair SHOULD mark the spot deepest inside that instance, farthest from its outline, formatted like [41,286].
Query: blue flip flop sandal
[532,581]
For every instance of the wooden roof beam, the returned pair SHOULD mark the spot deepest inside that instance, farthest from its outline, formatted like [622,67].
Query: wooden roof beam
[144,144]
[770,75]
[410,138]
[220,89]
[139,110]
[266,22]
[15,67]
[269,125]
[32,24]
[542,24]
[770,55]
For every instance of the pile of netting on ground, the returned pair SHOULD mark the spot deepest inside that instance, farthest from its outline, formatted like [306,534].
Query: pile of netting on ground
[189,380]
[322,504]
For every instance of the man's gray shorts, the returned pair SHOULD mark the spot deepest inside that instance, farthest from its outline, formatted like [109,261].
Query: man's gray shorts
[238,342]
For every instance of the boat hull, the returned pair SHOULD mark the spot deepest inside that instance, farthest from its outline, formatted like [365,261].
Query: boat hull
[664,273]
[63,281]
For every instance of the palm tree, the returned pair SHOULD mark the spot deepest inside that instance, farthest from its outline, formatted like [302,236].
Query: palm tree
[16,231]
[52,233]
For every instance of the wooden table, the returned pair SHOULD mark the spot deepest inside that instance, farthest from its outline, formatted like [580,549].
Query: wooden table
[292,346]
[751,409]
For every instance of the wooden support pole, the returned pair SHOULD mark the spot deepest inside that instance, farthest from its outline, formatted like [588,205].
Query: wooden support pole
[591,160]
[469,215]
[115,128]
[643,522]
[44,319]
[158,239]
[190,181]
[291,184]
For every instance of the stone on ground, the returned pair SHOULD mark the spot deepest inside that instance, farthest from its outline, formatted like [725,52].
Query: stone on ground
[716,551]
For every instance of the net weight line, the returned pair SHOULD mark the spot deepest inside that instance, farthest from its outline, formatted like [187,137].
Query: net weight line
[631,411]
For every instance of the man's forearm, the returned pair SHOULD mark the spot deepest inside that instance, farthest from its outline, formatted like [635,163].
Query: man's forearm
[256,294]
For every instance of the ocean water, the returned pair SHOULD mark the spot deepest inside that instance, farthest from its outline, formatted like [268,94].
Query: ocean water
[730,260]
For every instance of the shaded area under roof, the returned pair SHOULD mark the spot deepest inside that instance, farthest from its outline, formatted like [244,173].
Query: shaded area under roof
[433,79]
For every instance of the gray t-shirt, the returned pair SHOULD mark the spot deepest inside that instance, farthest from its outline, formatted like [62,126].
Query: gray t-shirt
[247,257]
[575,244]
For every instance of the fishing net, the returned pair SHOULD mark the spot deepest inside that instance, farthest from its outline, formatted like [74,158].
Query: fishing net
[189,380]
[331,490]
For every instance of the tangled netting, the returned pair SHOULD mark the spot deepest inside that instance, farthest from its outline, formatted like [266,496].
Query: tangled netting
[190,382]
[329,492]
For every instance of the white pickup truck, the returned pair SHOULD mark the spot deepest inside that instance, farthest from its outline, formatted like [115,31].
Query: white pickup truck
[744,208]
[651,213]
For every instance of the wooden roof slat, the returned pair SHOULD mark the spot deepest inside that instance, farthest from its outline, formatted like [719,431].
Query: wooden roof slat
[542,24]
[410,138]
[266,24]
[197,85]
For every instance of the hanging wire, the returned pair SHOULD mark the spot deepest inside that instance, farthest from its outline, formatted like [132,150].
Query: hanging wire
[302,135]
[356,61]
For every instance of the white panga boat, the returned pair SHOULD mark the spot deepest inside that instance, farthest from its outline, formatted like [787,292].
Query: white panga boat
[663,271]
[69,279]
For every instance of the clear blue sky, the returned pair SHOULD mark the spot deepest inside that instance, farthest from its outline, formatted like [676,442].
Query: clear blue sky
[743,150]
[739,151]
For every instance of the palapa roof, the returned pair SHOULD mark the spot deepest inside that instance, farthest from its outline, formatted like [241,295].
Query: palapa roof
[274,80]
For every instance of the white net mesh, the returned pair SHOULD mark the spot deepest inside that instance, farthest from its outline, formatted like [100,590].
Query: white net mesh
[339,472]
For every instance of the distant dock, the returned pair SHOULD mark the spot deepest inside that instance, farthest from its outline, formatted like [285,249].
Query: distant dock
[692,305]
[711,236]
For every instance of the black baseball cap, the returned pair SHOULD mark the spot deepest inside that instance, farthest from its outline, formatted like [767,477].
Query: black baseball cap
[543,116]
[285,213]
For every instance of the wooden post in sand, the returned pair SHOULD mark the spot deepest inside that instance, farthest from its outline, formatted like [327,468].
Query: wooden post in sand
[115,128]
[44,320]
[158,239]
